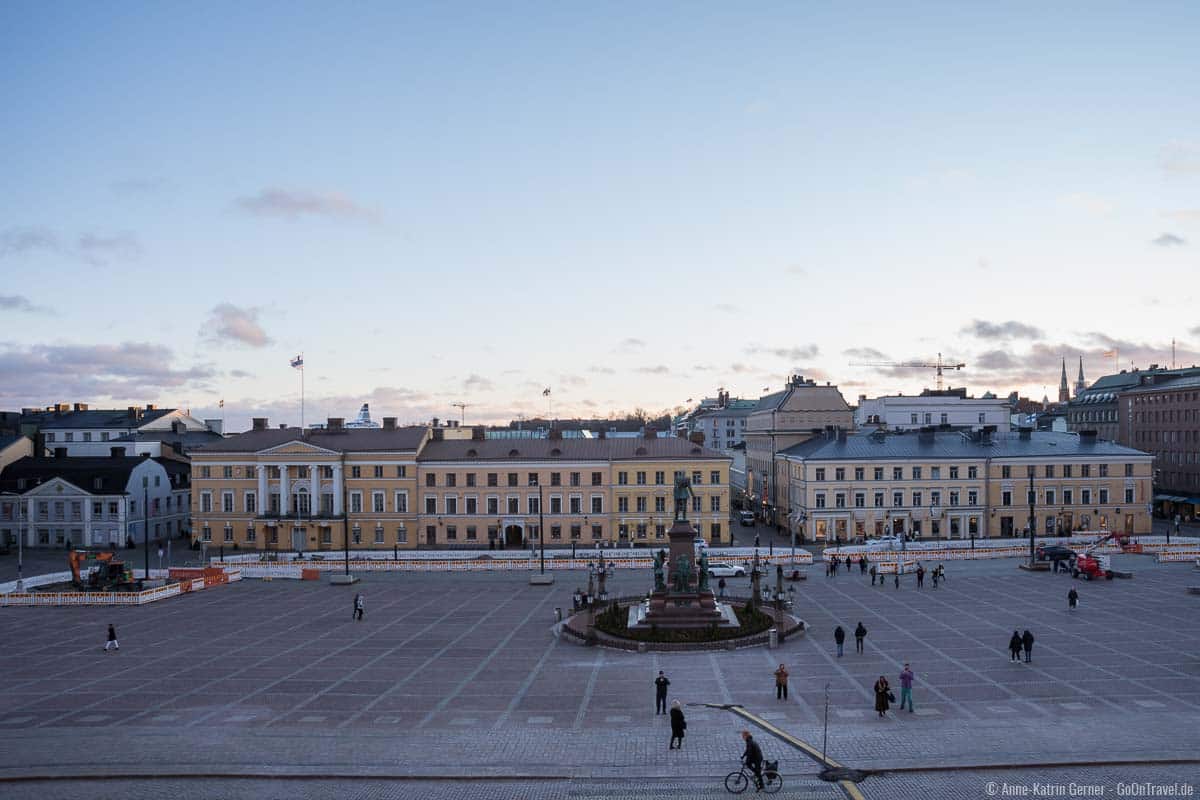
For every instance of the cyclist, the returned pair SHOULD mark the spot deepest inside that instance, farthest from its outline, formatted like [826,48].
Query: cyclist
[753,758]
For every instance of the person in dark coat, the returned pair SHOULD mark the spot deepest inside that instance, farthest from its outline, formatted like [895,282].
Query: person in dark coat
[112,639]
[920,577]
[1072,598]
[872,574]
[358,607]
[678,726]
[848,564]
[881,695]
[1014,647]
[860,633]
[862,565]
[753,757]
[721,588]
[1027,644]
[839,636]
[660,693]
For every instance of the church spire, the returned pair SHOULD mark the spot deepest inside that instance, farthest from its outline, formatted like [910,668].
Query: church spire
[1080,383]
[1064,388]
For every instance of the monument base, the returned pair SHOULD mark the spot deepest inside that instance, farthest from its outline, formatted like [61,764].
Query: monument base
[541,579]
[342,579]
[646,616]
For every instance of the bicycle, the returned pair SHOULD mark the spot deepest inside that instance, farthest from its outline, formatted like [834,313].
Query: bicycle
[737,782]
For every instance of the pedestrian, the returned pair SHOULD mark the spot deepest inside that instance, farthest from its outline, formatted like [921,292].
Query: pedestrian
[1072,599]
[756,540]
[828,569]
[112,639]
[872,574]
[753,758]
[1027,644]
[920,576]
[906,682]
[860,633]
[848,560]
[1014,647]
[660,693]
[883,695]
[577,598]
[781,676]
[839,636]
[862,565]
[678,726]
[935,577]
[941,570]
[358,607]
[897,576]
[721,587]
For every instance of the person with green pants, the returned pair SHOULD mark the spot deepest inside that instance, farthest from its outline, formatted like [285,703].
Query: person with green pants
[906,681]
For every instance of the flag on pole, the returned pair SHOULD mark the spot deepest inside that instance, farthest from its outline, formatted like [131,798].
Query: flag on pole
[221,403]
[546,392]
[1110,353]
[298,362]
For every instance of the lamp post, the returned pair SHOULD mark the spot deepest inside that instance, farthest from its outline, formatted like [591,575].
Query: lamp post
[19,516]
[1032,526]
[146,524]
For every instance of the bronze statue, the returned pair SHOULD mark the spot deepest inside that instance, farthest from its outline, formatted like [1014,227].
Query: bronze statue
[660,583]
[683,490]
[702,576]
[683,574]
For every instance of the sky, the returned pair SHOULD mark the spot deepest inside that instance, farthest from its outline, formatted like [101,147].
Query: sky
[629,204]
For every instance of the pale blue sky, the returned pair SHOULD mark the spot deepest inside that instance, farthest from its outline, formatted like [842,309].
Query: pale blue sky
[455,202]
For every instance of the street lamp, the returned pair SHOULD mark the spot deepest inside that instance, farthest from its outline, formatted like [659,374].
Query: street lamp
[146,524]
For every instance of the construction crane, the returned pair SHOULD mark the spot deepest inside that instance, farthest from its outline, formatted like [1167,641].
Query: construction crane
[462,407]
[939,366]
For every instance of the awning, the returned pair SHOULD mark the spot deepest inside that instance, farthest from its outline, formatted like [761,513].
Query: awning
[1174,498]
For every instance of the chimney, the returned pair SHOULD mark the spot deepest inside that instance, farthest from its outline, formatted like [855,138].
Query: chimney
[1088,435]
[841,434]
[260,423]
[438,434]
[151,407]
[697,438]
[134,413]
[435,422]
[116,452]
[555,432]
[178,426]
[81,406]
[926,434]
[649,433]
[389,423]
[478,433]
[336,424]
[60,452]
[283,426]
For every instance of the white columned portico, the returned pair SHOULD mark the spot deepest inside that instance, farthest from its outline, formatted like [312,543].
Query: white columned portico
[337,490]
[262,505]
[314,490]
[285,505]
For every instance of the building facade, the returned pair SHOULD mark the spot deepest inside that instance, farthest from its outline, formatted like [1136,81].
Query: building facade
[950,485]
[1095,408]
[950,407]
[1162,417]
[86,431]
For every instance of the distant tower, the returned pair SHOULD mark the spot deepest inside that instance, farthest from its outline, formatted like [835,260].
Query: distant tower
[1064,389]
[1080,383]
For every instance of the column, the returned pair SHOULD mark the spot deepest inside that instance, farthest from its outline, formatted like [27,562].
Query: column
[87,522]
[30,535]
[284,491]
[337,490]
[314,490]
[262,504]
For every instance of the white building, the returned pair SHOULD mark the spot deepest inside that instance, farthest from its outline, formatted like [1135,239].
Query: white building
[722,421]
[949,407]
[87,432]
[93,501]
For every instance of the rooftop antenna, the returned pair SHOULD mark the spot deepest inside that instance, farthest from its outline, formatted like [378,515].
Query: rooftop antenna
[462,407]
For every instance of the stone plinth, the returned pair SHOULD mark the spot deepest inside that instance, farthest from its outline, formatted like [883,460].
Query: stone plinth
[693,607]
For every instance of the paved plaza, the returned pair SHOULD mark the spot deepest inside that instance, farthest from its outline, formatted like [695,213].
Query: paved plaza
[454,686]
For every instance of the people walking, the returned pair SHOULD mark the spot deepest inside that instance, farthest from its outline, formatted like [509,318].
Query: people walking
[1027,644]
[860,633]
[839,636]
[678,726]
[906,682]
[882,695]
[660,693]
[935,577]
[920,576]
[848,564]
[358,607]
[112,643]
[1072,599]
[862,565]
[897,576]
[872,574]
[781,678]
[1014,647]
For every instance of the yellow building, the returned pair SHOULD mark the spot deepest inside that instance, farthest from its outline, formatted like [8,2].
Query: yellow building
[615,491]
[955,485]
[289,489]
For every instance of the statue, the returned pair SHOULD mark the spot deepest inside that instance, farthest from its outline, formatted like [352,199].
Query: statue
[683,490]
[660,583]
[702,569]
[683,574]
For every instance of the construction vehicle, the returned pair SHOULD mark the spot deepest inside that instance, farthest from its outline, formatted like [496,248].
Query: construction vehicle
[1093,566]
[100,572]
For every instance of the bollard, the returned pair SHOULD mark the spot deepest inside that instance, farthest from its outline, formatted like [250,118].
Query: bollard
[773,638]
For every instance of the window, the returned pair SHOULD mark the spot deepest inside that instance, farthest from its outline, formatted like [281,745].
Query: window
[377,503]
[622,479]
[714,531]
[898,499]
[878,500]
[660,504]
[379,532]
[935,473]
[512,479]
[451,533]
[1129,474]
[576,531]
[49,437]
[1005,472]
[953,498]
[860,500]
[470,479]
[714,503]
[641,530]
[1049,470]
[972,498]
[401,502]
[533,479]
[696,478]
[206,533]
[1085,496]
[402,535]
[402,472]
[356,472]
[252,535]
[640,478]
[451,504]
[205,471]
[493,506]
[820,474]
[1068,497]
[1129,495]
[1006,498]
[839,500]
[576,504]
[912,419]
[935,498]
[430,504]
[378,472]
[451,479]
[839,474]
[916,499]
[206,502]
[916,471]
[70,437]
[514,505]
[575,479]
[858,473]
[641,504]
[714,477]
[431,479]
[879,473]
[820,497]
[1103,496]
[897,473]
[597,532]
[1104,470]
[227,502]
[535,505]
[1049,497]
[597,479]
[1067,470]
[972,473]
[226,472]
[1085,471]
[493,479]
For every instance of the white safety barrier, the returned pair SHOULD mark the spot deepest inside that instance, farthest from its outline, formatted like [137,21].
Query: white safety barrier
[143,597]
[962,550]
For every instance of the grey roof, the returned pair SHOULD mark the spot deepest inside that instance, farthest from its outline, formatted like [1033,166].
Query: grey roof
[189,440]
[1125,380]
[80,471]
[100,418]
[954,445]
[728,411]
[771,401]
[352,440]
[1170,384]
[566,449]
[5,441]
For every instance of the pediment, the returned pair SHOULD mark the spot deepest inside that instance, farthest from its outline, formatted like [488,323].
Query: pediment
[297,448]
[57,487]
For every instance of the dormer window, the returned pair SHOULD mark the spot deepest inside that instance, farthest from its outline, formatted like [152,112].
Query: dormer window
[556,452]
[513,453]
[97,483]
[641,451]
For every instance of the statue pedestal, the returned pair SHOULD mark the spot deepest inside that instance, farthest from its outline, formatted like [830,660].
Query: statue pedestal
[687,607]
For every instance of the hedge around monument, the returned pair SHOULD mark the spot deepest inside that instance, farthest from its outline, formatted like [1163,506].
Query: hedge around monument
[613,621]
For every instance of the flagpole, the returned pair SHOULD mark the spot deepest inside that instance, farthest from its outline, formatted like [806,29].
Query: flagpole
[302,392]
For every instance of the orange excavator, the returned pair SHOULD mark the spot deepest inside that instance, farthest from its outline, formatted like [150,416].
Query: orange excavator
[109,574]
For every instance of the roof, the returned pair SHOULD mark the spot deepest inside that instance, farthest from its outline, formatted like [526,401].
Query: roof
[770,402]
[113,471]
[952,445]
[566,449]
[101,418]
[1171,384]
[5,441]
[1130,378]
[190,440]
[353,440]
[741,410]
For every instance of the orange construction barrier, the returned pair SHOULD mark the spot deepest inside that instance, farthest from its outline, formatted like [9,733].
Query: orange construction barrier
[310,575]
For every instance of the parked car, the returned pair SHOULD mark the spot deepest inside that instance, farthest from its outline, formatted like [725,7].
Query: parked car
[746,518]
[699,543]
[884,543]
[723,569]
[1053,552]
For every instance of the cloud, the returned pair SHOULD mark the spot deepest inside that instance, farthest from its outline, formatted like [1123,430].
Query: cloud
[21,241]
[572,380]
[231,324]
[658,369]
[240,373]
[477,383]
[1090,203]
[140,186]
[293,204]
[1180,158]
[1012,329]
[725,308]
[1185,215]
[630,345]
[994,360]
[796,353]
[865,354]
[101,250]
[740,368]
[598,370]
[1169,240]
[130,371]
[20,303]
[797,270]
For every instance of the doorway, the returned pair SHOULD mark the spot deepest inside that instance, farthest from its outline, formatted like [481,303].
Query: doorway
[513,536]
[898,526]
[298,536]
